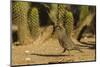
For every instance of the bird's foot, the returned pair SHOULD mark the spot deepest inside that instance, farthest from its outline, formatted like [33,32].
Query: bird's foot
[64,51]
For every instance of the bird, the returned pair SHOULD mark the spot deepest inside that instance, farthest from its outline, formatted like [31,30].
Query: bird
[65,40]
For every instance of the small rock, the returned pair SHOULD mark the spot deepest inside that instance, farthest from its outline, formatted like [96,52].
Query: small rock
[85,38]
[28,59]
[27,51]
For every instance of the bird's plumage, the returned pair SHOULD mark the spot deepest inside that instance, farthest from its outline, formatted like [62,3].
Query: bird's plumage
[65,40]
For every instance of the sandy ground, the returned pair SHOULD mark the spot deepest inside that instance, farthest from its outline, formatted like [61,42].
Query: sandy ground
[49,52]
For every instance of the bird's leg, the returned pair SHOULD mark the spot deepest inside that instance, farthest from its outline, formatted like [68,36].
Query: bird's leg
[64,50]
[69,53]
[61,44]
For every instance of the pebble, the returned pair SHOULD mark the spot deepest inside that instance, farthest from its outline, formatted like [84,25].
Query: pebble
[85,38]
[27,51]
[28,59]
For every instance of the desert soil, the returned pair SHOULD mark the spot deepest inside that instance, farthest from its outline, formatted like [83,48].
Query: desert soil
[50,52]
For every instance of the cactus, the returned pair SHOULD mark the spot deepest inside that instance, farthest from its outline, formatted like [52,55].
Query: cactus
[83,21]
[34,22]
[61,12]
[53,13]
[84,11]
[69,22]
[20,11]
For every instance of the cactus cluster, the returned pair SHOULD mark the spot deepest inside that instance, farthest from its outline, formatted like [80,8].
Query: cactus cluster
[27,17]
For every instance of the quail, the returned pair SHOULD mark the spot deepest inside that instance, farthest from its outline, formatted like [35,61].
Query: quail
[64,40]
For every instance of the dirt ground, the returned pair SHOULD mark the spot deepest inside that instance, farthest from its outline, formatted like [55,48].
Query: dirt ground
[50,52]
